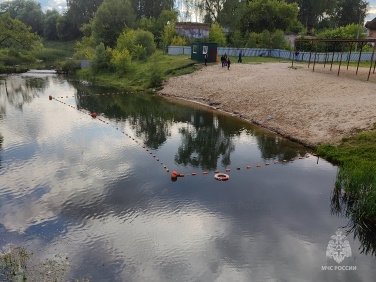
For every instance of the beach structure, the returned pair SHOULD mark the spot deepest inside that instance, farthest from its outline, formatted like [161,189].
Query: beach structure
[334,51]
[199,49]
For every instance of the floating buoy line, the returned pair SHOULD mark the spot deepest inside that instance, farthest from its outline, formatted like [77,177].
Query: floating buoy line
[218,175]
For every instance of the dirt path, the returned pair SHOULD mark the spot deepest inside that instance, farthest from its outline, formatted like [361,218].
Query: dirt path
[310,107]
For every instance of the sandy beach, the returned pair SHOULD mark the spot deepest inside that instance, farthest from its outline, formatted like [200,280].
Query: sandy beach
[309,107]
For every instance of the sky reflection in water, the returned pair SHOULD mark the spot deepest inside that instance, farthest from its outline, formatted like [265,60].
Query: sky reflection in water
[76,186]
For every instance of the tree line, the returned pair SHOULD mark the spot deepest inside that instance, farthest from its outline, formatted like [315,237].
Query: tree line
[244,16]
[113,33]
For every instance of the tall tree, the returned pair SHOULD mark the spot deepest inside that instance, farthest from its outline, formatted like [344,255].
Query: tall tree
[27,11]
[350,11]
[151,8]
[50,25]
[112,17]
[260,15]
[15,34]
[312,11]
[82,11]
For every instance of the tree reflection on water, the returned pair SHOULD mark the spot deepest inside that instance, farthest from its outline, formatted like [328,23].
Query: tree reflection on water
[206,137]
[17,90]
[352,202]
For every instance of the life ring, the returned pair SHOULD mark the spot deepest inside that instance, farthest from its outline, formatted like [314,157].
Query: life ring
[221,176]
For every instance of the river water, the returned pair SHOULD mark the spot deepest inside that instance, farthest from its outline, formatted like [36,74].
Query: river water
[97,191]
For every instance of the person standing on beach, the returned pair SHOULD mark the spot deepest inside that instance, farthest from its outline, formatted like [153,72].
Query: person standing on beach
[240,57]
[206,58]
[228,63]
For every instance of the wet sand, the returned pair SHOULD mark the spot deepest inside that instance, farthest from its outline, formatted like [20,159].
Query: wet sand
[309,107]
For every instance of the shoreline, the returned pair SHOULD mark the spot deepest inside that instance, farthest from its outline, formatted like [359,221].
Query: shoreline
[310,108]
[232,114]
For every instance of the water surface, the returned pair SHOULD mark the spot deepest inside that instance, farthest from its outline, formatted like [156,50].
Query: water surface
[87,189]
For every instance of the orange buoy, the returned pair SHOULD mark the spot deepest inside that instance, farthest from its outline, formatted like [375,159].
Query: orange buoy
[93,114]
[174,175]
[221,177]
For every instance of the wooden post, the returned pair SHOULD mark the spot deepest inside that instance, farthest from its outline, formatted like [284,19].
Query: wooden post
[360,55]
[348,59]
[340,62]
[370,67]
[331,64]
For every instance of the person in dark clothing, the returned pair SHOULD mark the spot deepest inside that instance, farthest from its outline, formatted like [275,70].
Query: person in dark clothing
[228,63]
[206,59]
[240,57]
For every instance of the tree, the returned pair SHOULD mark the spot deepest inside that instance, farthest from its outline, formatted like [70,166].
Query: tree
[50,25]
[260,15]
[80,12]
[15,34]
[350,11]
[151,8]
[217,35]
[27,11]
[102,58]
[168,34]
[311,12]
[112,17]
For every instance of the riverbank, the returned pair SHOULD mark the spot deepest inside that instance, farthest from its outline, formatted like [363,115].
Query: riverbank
[311,108]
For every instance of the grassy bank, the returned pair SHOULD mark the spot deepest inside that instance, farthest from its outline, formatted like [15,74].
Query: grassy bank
[143,74]
[356,180]
[53,54]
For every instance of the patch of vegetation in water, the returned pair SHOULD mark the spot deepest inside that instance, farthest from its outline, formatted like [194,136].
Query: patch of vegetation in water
[356,157]
[18,264]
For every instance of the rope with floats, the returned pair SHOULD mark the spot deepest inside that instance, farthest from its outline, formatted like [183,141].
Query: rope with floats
[218,175]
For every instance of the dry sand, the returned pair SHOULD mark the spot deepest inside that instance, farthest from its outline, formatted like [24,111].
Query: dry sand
[309,107]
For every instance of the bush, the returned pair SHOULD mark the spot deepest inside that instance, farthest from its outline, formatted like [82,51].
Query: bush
[69,66]
[156,76]
[121,60]
[139,43]
[217,35]
[179,41]
[278,40]
[102,58]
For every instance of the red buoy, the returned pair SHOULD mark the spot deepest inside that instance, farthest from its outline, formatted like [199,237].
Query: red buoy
[93,114]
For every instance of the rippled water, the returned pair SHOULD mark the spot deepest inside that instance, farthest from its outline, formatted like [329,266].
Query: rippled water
[87,189]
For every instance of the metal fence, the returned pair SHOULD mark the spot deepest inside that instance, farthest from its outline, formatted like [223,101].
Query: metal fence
[279,53]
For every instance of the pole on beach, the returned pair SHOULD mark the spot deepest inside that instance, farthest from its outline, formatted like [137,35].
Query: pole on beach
[331,64]
[326,55]
[314,60]
[310,55]
[370,67]
[349,57]
[360,55]
[340,63]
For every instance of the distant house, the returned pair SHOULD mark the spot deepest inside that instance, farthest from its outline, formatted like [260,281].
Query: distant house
[371,27]
[193,30]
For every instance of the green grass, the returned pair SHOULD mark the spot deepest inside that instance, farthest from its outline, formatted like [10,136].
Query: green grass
[357,176]
[139,78]
[53,53]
